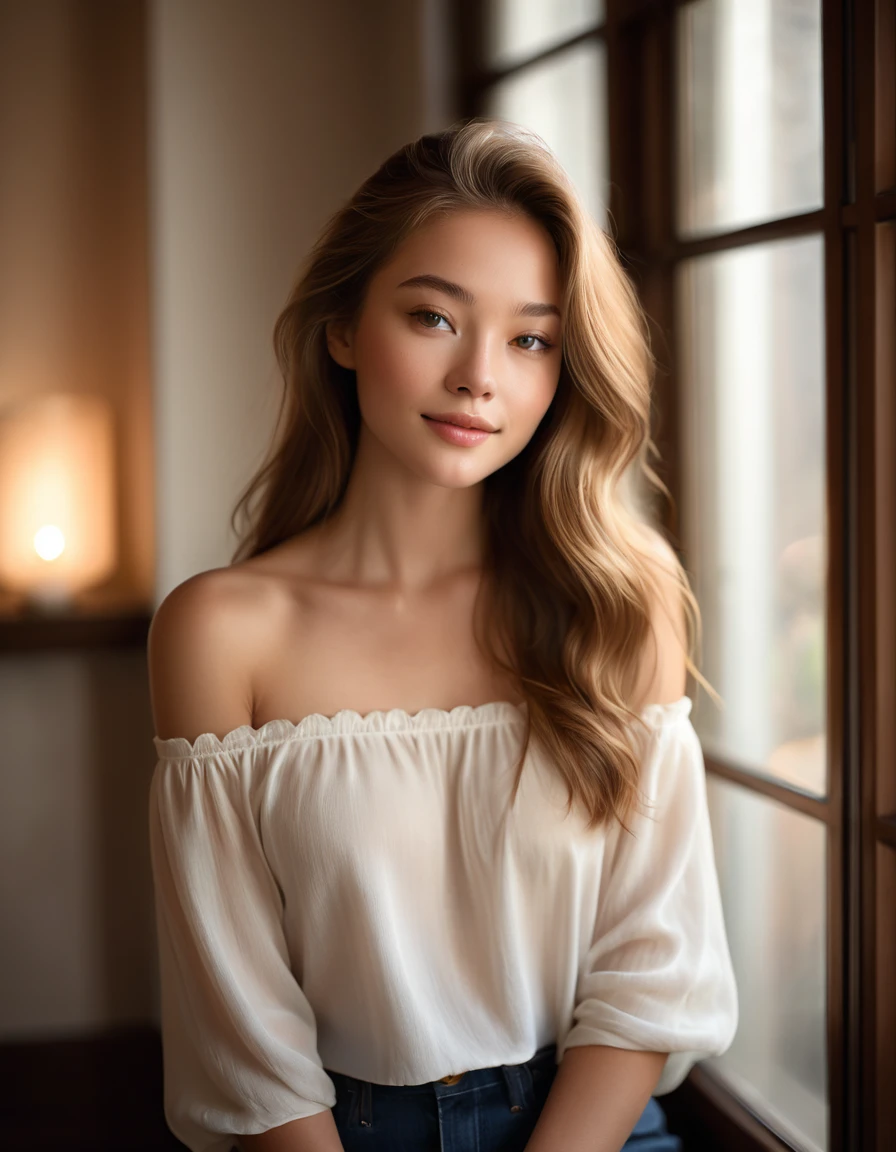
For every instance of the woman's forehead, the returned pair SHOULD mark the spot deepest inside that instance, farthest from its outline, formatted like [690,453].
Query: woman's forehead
[485,253]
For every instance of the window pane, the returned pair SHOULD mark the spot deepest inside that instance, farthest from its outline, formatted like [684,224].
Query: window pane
[754,527]
[771,863]
[749,112]
[564,100]
[516,29]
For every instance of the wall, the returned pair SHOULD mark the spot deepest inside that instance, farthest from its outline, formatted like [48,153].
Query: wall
[265,117]
[73,233]
[75,889]
[74,295]
[262,116]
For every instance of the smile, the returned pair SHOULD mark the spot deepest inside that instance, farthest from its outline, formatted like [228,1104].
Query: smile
[455,434]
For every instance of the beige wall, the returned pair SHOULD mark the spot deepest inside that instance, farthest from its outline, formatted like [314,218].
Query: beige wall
[262,116]
[73,233]
[75,894]
[265,116]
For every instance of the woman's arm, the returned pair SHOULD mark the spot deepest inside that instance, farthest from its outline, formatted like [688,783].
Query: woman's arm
[599,1092]
[310,1134]
[239,1035]
[596,1098]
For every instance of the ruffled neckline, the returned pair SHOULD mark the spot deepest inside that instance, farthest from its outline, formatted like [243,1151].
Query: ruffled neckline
[348,722]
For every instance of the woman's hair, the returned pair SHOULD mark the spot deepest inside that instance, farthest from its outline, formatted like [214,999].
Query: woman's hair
[569,573]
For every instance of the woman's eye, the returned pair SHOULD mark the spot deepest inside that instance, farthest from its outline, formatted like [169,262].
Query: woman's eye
[424,315]
[424,312]
[529,348]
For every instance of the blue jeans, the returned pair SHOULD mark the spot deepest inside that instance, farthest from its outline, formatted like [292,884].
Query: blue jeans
[487,1110]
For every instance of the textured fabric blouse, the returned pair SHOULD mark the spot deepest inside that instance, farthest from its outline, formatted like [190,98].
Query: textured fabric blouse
[355,893]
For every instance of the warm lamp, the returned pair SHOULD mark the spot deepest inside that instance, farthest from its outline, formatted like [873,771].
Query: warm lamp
[57,497]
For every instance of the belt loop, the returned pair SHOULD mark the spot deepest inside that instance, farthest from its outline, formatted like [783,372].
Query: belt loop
[365,1108]
[518,1078]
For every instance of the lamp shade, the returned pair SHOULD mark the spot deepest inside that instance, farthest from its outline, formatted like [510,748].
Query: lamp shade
[57,495]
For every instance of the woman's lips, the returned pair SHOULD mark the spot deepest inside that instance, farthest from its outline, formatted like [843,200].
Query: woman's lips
[455,434]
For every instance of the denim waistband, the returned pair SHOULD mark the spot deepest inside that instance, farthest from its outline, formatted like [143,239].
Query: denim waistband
[475,1078]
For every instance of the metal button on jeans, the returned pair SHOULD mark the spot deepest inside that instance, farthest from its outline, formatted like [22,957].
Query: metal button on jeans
[452,1079]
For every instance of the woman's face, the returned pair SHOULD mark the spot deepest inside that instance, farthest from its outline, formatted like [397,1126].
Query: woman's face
[463,319]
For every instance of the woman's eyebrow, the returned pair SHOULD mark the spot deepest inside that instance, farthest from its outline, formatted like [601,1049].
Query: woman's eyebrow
[466,297]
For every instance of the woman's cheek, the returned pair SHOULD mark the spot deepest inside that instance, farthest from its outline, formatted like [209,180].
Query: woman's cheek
[398,367]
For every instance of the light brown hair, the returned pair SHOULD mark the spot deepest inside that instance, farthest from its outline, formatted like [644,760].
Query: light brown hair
[565,607]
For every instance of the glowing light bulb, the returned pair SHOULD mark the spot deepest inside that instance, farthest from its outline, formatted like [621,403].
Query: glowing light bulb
[57,496]
[49,542]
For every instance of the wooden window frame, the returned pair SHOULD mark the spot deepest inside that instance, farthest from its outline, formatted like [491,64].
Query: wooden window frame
[858,224]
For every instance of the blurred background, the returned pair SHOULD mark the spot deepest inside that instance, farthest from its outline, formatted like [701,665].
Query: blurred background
[164,167]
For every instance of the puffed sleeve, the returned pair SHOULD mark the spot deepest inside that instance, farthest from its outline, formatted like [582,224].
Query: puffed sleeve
[239,1037]
[658,975]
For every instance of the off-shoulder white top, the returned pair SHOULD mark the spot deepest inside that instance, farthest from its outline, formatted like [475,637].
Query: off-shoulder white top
[354,893]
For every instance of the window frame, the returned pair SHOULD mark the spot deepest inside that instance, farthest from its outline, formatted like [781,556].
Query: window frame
[858,224]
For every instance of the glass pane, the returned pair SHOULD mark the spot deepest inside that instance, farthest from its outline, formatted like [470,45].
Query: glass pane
[754,527]
[564,100]
[772,866]
[517,29]
[749,112]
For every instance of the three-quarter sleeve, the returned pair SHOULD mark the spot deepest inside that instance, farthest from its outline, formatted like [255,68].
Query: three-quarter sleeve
[658,975]
[239,1035]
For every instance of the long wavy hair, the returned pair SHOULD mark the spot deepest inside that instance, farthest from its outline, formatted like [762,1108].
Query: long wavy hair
[564,608]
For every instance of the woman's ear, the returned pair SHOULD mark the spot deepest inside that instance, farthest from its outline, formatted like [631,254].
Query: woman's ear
[340,343]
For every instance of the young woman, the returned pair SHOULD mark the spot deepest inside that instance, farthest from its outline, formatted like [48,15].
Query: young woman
[431,850]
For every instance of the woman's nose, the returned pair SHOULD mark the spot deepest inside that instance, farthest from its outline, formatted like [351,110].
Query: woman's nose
[473,368]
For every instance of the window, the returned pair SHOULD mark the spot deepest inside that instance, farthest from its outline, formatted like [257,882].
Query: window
[743,154]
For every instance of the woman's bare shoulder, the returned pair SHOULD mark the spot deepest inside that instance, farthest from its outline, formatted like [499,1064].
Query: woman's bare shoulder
[203,645]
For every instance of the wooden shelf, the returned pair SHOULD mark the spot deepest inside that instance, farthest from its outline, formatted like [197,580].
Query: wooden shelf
[35,632]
